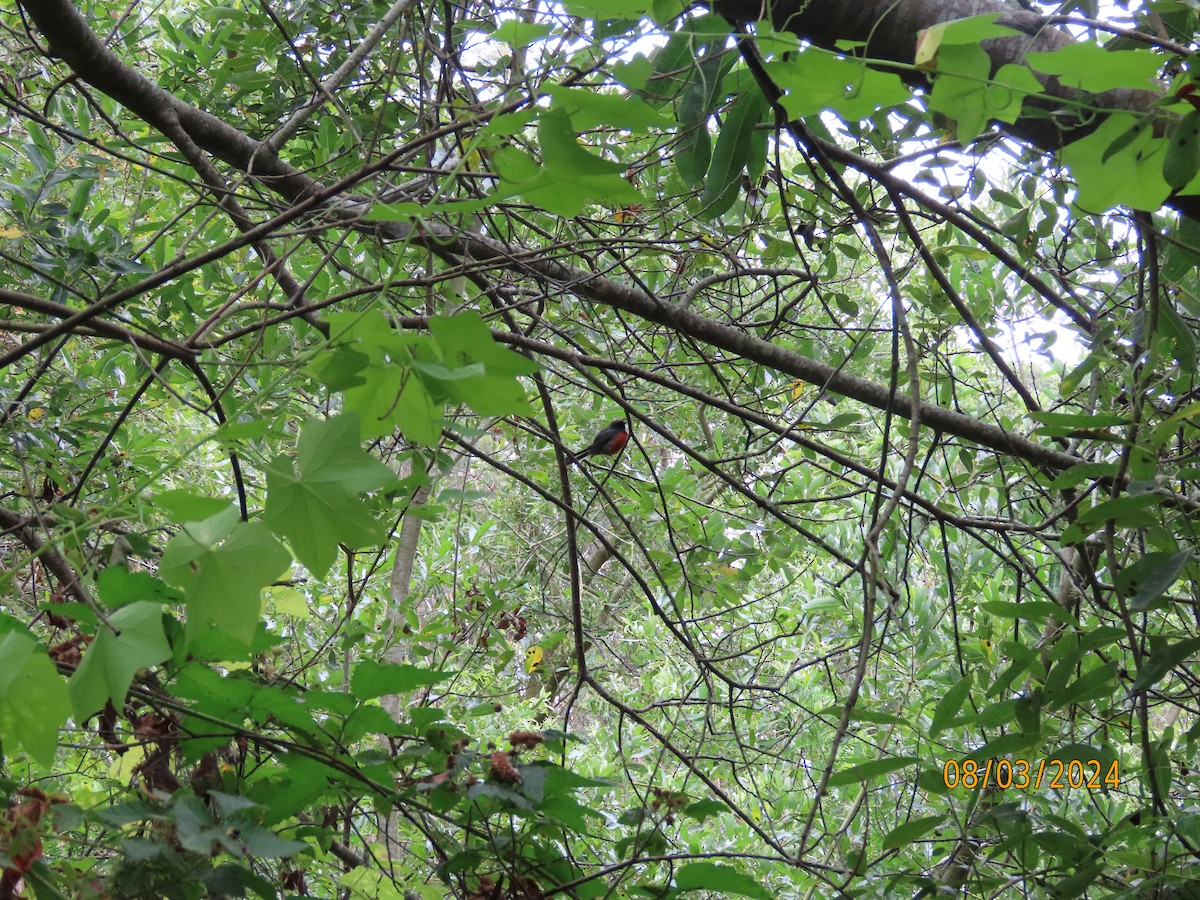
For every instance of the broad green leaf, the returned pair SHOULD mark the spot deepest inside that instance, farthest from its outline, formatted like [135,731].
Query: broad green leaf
[817,80]
[1089,67]
[1097,681]
[706,876]
[34,703]
[188,506]
[117,586]
[466,344]
[1083,472]
[518,34]
[607,9]
[673,65]
[222,565]
[1005,745]
[1132,177]
[970,30]
[704,93]
[965,90]
[703,810]
[320,507]
[590,108]
[1181,162]
[1178,332]
[570,178]
[134,641]
[371,362]
[373,679]
[1153,575]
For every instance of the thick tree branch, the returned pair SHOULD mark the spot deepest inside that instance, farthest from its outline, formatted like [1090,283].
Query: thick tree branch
[888,31]
[71,38]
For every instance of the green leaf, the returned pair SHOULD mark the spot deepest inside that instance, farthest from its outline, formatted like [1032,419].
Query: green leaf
[222,565]
[817,80]
[1130,511]
[1005,745]
[607,9]
[372,679]
[949,705]
[732,154]
[969,30]
[1162,660]
[262,843]
[1157,572]
[693,150]
[486,372]
[1177,330]
[1089,67]
[591,108]
[569,178]
[117,586]
[960,88]
[1030,610]
[33,698]
[1182,159]
[911,831]
[518,34]
[188,506]
[872,769]
[372,364]
[1078,474]
[321,507]
[1131,177]
[702,810]
[705,876]
[135,641]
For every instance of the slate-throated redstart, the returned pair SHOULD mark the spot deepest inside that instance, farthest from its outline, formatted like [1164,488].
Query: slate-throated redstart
[609,442]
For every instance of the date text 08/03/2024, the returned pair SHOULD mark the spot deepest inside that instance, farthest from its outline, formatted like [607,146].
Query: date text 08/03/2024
[1022,774]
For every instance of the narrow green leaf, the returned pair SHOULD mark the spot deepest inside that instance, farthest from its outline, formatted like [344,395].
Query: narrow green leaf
[1160,663]
[911,831]
[949,705]
[706,876]
[731,154]
[872,769]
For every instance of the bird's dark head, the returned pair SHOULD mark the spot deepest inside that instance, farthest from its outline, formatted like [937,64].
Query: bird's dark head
[619,424]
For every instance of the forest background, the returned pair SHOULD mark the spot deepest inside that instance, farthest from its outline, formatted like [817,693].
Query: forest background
[307,305]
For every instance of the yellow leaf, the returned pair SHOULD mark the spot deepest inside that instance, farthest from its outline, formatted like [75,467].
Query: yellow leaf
[9,232]
[124,767]
[533,658]
[36,413]
[288,601]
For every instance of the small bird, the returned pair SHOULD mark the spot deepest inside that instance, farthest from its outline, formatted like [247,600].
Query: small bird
[609,442]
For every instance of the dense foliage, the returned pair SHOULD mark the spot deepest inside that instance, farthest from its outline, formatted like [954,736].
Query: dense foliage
[307,306]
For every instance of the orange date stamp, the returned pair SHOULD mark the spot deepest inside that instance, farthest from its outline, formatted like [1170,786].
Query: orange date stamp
[1024,774]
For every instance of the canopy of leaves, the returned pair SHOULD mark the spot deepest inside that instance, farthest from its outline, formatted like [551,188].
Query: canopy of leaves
[308,309]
